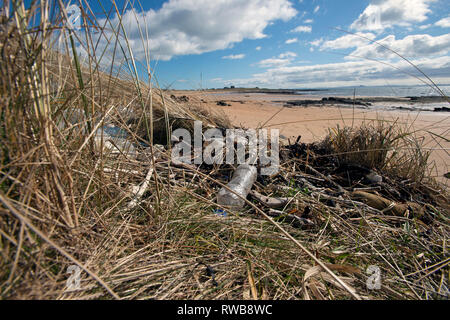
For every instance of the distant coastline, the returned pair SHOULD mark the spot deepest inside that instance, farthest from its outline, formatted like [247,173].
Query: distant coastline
[407,103]
[401,98]
[264,90]
[417,92]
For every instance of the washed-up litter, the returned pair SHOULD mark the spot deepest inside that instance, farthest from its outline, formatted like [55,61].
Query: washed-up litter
[220,212]
[243,179]
[115,140]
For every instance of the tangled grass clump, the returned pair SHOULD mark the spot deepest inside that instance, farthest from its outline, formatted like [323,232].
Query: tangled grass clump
[383,146]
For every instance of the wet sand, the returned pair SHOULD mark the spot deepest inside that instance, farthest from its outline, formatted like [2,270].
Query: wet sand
[255,110]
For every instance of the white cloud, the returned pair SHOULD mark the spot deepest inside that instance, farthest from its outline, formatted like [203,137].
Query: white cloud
[258,48]
[425,26]
[293,40]
[444,23]
[234,56]
[288,54]
[306,29]
[308,21]
[316,9]
[273,62]
[316,42]
[382,14]
[283,59]
[347,73]
[412,46]
[430,53]
[347,41]
[183,27]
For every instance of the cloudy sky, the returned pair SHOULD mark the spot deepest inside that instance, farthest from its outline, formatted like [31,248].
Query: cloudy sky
[292,43]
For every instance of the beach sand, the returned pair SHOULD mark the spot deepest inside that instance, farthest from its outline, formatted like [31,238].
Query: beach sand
[254,110]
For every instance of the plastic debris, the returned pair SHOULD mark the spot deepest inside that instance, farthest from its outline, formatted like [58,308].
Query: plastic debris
[243,179]
[221,212]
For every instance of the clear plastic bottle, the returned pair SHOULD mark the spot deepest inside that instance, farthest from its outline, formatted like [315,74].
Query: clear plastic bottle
[243,179]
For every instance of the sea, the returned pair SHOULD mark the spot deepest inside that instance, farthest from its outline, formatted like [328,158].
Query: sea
[378,91]
[388,91]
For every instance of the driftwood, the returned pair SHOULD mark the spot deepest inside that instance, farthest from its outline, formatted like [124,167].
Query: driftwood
[388,206]
[296,221]
[270,202]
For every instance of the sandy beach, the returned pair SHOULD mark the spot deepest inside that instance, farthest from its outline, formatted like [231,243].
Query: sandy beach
[255,110]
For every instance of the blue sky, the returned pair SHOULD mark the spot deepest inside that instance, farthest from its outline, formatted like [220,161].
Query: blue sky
[290,43]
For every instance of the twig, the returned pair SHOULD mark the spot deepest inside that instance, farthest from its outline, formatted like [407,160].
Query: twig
[140,190]
[271,202]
